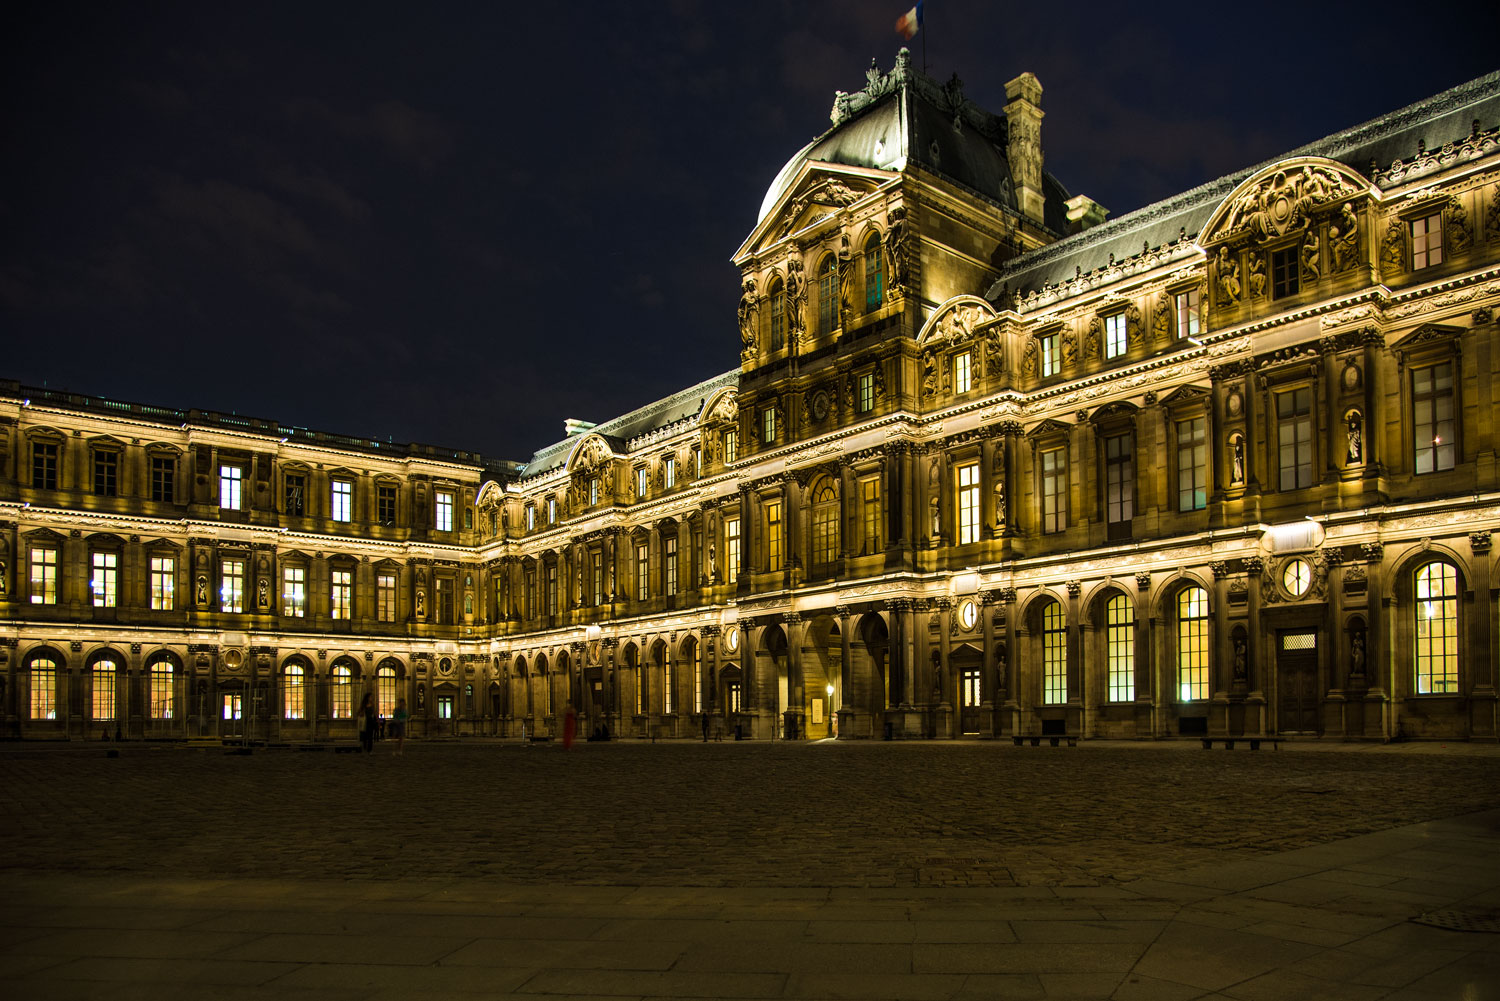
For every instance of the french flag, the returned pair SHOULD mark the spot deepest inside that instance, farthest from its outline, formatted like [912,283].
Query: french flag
[910,23]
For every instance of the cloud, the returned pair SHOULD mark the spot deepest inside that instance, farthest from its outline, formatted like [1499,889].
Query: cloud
[408,134]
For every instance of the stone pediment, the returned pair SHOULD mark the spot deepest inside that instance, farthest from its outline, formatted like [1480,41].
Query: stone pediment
[1428,333]
[956,320]
[1281,199]
[1048,428]
[1186,395]
[723,406]
[818,191]
[590,452]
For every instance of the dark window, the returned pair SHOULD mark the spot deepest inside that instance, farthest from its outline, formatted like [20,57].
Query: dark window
[828,296]
[444,601]
[1294,438]
[44,465]
[106,473]
[296,494]
[385,504]
[1284,272]
[1119,486]
[1433,426]
[1192,464]
[163,478]
[778,316]
[874,275]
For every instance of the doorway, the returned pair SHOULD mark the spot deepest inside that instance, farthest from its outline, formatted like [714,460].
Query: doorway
[1297,680]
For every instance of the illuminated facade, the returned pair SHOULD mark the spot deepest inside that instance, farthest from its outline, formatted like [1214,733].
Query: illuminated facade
[989,465]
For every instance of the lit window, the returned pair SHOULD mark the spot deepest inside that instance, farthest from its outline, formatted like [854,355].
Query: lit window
[697,659]
[342,606]
[828,296]
[1054,490]
[598,573]
[731,550]
[230,481]
[385,691]
[445,705]
[163,578]
[1426,242]
[640,481]
[385,597]
[669,472]
[443,509]
[1119,486]
[874,274]
[1433,429]
[232,586]
[768,425]
[642,573]
[294,591]
[552,510]
[43,688]
[961,372]
[163,690]
[530,517]
[1051,362]
[867,392]
[1192,644]
[106,473]
[44,465]
[968,503]
[1187,313]
[104,584]
[43,575]
[669,554]
[1294,438]
[104,674]
[1192,465]
[1437,629]
[593,491]
[1120,653]
[731,445]
[343,500]
[1054,655]
[343,693]
[697,462]
[1284,277]
[294,692]
[1116,341]
[869,514]
[774,550]
[825,524]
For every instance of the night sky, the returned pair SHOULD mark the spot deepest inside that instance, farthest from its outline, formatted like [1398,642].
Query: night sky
[461,224]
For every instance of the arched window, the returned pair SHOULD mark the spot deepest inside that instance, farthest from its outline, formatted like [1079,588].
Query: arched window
[778,316]
[874,274]
[43,688]
[632,665]
[1119,618]
[1437,629]
[669,683]
[385,690]
[343,693]
[104,673]
[1054,655]
[1192,644]
[828,295]
[163,691]
[825,524]
[294,691]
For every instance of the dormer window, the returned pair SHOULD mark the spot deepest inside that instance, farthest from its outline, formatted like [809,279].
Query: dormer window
[961,380]
[640,482]
[593,490]
[1188,324]
[669,472]
[1426,241]
[552,510]
[778,316]
[1284,277]
[768,425]
[1116,336]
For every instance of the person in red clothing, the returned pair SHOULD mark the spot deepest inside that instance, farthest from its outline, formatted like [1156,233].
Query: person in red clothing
[570,725]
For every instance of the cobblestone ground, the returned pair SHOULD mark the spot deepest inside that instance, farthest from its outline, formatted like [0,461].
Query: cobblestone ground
[720,814]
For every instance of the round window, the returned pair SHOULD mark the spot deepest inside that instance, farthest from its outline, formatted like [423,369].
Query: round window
[1296,577]
[732,639]
[968,614]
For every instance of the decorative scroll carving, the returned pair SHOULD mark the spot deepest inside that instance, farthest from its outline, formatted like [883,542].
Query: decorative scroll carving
[1392,249]
[1283,202]
[1458,234]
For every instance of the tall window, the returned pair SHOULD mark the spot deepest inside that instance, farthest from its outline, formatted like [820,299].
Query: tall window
[385,597]
[778,316]
[669,686]
[1192,465]
[343,500]
[43,688]
[44,465]
[869,514]
[385,504]
[530,517]
[867,392]
[828,295]
[669,472]
[1187,313]
[342,605]
[342,693]
[697,659]
[1054,655]
[1051,360]
[825,524]
[697,462]
[1284,277]
[961,380]
[443,506]
[163,578]
[294,692]
[874,274]
[669,555]
[105,581]
[1294,437]
[1116,341]
[1192,644]
[1437,629]
[640,481]
[594,490]
[1119,485]
[642,572]
[163,690]
[104,689]
[1433,429]
[385,690]
[1120,648]
[294,494]
[1054,490]
[552,590]
[731,550]
[529,592]
[294,591]
[232,586]
[731,445]
[775,550]
[163,478]
[552,510]
[1426,242]
[968,503]
[43,575]
[598,576]
[231,478]
[768,425]
[106,473]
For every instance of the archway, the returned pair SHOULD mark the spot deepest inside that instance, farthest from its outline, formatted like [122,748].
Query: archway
[967,664]
[771,659]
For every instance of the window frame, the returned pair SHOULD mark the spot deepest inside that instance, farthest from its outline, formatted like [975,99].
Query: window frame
[1187,304]
[106,470]
[1191,454]
[1191,641]
[341,499]
[442,509]
[46,464]
[1053,488]
[104,690]
[966,502]
[775,548]
[162,570]
[1441,456]
[963,375]
[874,265]
[866,385]
[294,692]
[163,478]
[294,590]
[1053,620]
[1436,659]
[43,673]
[733,549]
[43,587]
[231,487]
[642,571]
[385,596]
[232,569]
[1116,335]
[341,593]
[1119,648]
[1119,482]
[1286,274]
[1432,254]
[1290,427]
[104,578]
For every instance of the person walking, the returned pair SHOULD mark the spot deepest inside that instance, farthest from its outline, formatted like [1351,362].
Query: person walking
[398,724]
[367,722]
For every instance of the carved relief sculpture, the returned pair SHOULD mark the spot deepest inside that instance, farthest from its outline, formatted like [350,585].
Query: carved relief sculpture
[895,250]
[1392,249]
[1069,348]
[1343,239]
[929,372]
[1092,338]
[1237,458]
[1456,226]
[796,298]
[1310,271]
[1162,320]
[1029,360]
[749,305]
[846,285]
[1353,424]
[1256,276]
[1229,278]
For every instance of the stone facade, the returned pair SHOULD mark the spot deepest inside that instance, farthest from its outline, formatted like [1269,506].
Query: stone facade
[989,465]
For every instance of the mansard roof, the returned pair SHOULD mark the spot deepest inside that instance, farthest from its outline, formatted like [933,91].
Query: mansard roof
[1390,147]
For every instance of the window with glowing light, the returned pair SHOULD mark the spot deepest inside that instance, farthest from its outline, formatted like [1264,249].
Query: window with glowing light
[869,515]
[1187,304]
[1433,427]
[1192,644]
[1054,490]
[1437,640]
[162,675]
[443,511]
[342,691]
[731,550]
[43,575]
[1050,359]
[385,691]
[163,579]
[104,674]
[731,445]
[968,503]
[867,392]
[385,597]
[294,591]
[1426,241]
[294,692]
[775,551]
[232,586]
[874,274]
[961,379]
[1116,338]
[231,480]
[669,565]
[1192,464]
[342,508]
[825,524]
[1119,615]
[43,688]
[105,581]
[1054,655]
[642,572]
[342,604]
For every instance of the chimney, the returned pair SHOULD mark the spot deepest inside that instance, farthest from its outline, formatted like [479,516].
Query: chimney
[1084,213]
[572,426]
[1024,148]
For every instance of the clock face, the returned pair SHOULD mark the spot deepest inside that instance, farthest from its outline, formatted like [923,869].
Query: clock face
[968,614]
[1296,577]
[820,405]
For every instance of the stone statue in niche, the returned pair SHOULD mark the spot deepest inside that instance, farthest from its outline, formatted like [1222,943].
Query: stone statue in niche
[263,597]
[1236,459]
[1256,278]
[2,577]
[1353,431]
[1069,348]
[895,248]
[934,488]
[713,563]
[202,590]
[1229,278]
[749,304]
[1357,655]
[1091,339]
[421,603]
[795,289]
[1343,238]
[1240,670]
[421,697]
[929,373]
[846,284]
[1310,247]
[999,501]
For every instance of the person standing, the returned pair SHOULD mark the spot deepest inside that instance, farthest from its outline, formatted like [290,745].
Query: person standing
[367,723]
[398,724]
[570,725]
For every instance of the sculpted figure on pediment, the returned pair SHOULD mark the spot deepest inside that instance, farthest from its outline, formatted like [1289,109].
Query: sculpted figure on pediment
[1229,278]
[1283,202]
[929,372]
[1392,249]
[1255,278]
[1092,338]
[1161,322]
[1310,271]
[1069,348]
[749,305]
[1029,360]
[1343,239]
[796,299]
[895,249]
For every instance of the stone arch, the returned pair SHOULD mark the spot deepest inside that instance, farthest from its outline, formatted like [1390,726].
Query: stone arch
[956,320]
[1271,201]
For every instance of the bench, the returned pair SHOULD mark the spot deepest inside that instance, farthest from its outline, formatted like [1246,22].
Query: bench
[1036,739]
[1229,742]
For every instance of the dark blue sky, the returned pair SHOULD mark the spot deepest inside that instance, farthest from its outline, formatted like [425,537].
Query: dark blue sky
[461,226]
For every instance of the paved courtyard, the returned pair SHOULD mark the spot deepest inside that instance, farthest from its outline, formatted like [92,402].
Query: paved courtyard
[751,870]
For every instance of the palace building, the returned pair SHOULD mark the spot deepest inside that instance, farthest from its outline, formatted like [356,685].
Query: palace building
[989,464]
